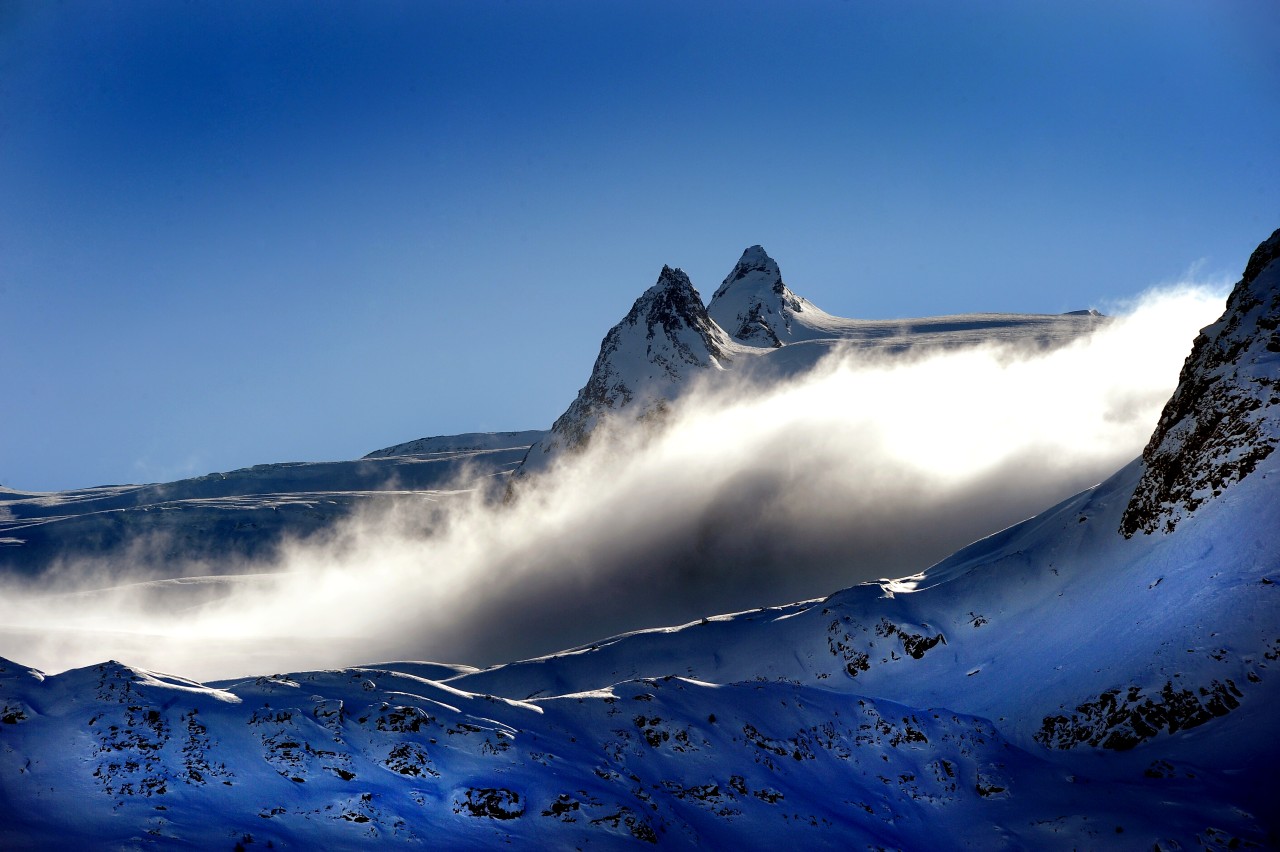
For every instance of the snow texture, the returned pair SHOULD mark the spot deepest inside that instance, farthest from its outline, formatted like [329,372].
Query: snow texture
[1224,418]
[668,342]
[1057,685]
[226,518]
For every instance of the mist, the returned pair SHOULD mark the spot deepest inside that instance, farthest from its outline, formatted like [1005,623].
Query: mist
[867,467]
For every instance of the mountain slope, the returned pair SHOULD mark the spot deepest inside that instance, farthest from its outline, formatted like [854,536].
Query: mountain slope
[663,342]
[1042,673]
[223,518]
[1224,418]
[1056,685]
[668,341]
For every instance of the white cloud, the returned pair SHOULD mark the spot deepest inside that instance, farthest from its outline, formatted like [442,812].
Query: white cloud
[865,468]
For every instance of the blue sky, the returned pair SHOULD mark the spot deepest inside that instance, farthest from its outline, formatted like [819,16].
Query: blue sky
[234,233]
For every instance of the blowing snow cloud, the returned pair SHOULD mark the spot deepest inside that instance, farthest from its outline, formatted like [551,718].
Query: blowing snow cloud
[864,468]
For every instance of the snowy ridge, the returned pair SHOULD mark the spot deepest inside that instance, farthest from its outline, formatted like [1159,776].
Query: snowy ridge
[466,442]
[645,361]
[668,339]
[1224,418]
[241,514]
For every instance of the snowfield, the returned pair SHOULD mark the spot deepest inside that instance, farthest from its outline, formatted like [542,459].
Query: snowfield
[1102,675]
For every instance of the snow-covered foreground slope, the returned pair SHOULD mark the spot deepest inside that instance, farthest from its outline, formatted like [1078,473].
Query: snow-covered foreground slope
[1075,681]
[1056,686]
[224,518]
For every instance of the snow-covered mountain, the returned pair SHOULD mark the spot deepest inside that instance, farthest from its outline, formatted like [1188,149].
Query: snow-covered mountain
[645,361]
[221,519]
[757,308]
[668,341]
[1224,418]
[1094,677]
[665,343]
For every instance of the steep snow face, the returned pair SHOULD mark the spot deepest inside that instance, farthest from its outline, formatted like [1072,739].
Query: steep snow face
[1224,417]
[755,306]
[666,339]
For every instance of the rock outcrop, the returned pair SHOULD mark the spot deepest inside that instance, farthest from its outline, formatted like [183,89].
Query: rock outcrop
[1224,417]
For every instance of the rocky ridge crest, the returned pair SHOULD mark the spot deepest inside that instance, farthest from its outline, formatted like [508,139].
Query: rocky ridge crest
[1224,417]
[644,362]
[753,304]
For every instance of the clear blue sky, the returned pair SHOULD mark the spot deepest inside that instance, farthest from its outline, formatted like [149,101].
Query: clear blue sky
[242,232]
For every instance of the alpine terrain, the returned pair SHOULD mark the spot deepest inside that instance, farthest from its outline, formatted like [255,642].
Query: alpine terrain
[1102,675]
[668,342]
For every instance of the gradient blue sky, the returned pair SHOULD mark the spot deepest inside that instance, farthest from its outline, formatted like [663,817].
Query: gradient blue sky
[244,232]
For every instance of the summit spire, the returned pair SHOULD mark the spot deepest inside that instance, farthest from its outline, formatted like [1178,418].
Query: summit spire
[753,304]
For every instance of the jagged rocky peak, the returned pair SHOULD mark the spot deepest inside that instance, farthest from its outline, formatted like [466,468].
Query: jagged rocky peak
[671,306]
[644,362]
[754,259]
[753,304]
[1224,418]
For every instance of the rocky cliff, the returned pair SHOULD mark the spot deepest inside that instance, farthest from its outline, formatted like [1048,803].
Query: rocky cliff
[1224,417]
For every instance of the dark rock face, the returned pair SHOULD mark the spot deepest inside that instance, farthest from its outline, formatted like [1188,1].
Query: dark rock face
[756,329]
[494,803]
[1117,722]
[1224,418]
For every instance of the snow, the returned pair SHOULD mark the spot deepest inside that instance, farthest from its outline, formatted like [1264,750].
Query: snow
[228,517]
[466,442]
[757,329]
[1059,684]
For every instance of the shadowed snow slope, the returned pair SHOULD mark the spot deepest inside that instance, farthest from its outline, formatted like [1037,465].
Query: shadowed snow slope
[222,520]
[1056,685]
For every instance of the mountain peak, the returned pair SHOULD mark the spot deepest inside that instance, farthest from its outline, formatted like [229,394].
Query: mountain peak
[1224,417]
[671,282]
[754,260]
[644,361]
[753,304]
[670,305]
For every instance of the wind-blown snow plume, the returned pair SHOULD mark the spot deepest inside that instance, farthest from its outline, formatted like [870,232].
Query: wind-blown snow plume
[748,494]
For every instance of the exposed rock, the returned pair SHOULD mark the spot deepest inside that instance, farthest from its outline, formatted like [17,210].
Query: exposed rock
[1120,723]
[753,304]
[491,802]
[1224,417]
[644,362]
